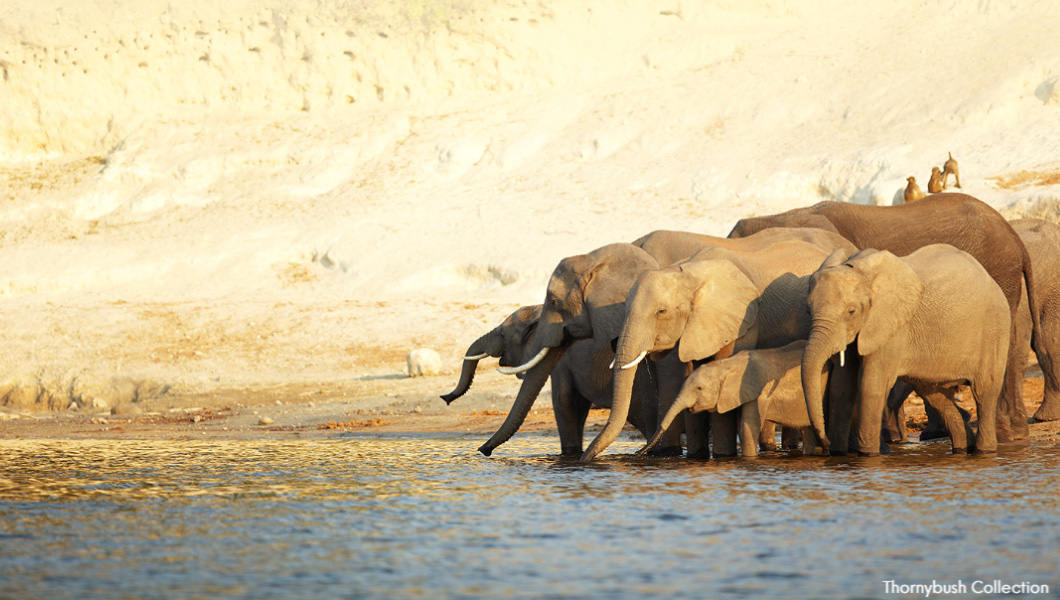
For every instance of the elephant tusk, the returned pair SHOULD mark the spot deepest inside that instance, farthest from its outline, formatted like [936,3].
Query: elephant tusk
[477,356]
[635,361]
[842,357]
[524,367]
[613,363]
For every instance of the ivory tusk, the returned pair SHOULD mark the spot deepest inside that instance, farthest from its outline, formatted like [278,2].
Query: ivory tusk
[842,357]
[477,356]
[524,367]
[613,363]
[635,361]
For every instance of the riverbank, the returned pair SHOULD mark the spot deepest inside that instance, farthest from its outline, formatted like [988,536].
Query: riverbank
[384,405]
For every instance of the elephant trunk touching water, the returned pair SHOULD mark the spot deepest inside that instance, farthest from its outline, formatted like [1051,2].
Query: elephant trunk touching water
[631,351]
[825,341]
[533,381]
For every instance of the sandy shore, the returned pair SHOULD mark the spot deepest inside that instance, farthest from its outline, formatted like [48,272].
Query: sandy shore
[384,404]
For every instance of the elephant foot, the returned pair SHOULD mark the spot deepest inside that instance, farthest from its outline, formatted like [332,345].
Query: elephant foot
[725,455]
[767,446]
[884,448]
[837,453]
[933,433]
[894,435]
[868,454]
[570,451]
[959,451]
[703,454]
[1048,411]
[665,452]
[1012,434]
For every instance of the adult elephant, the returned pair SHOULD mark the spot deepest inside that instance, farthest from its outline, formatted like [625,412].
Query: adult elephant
[909,318]
[718,302]
[1042,240]
[580,379]
[586,294]
[956,219]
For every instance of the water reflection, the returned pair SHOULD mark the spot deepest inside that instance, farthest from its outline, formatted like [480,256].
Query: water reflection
[407,517]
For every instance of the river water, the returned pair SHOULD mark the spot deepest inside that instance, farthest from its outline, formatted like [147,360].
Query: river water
[428,517]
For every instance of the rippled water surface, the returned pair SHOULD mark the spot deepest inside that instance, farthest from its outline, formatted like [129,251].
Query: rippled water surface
[412,517]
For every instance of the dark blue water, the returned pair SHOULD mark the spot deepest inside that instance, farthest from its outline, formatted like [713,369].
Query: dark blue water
[360,517]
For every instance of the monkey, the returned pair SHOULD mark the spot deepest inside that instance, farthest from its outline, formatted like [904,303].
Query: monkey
[935,183]
[950,167]
[912,191]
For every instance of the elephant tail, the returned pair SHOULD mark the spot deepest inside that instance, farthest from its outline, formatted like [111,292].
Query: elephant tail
[1038,342]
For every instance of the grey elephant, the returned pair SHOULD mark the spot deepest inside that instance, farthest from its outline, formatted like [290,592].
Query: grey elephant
[956,219]
[585,298]
[583,293]
[766,383]
[718,302]
[909,318]
[1042,240]
[576,382]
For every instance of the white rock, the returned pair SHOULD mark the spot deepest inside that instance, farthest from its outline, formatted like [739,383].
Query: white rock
[423,361]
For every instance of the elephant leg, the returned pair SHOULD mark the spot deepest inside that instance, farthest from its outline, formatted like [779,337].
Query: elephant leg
[723,430]
[789,437]
[697,434]
[877,378]
[767,437]
[809,441]
[570,410]
[894,413]
[1049,410]
[1011,418]
[670,372]
[842,398]
[942,402]
[936,427]
[986,395]
[751,428]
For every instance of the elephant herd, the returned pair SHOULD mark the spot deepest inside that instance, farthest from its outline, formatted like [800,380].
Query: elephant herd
[821,320]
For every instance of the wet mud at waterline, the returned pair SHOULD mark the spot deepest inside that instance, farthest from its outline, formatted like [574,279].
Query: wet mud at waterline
[411,516]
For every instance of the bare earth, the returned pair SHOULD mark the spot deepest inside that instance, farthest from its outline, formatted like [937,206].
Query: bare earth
[383,404]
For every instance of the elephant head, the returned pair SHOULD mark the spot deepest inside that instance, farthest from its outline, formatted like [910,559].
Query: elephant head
[867,299]
[585,299]
[698,307]
[719,386]
[508,341]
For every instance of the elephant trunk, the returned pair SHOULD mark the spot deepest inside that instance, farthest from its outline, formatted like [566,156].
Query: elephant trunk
[533,382]
[819,348]
[683,402]
[487,345]
[631,350]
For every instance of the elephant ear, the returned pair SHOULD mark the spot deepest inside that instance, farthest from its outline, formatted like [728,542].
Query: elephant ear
[895,292]
[605,285]
[739,386]
[724,307]
[836,258]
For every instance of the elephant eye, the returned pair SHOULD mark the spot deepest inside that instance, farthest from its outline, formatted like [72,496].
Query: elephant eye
[852,309]
[662,311]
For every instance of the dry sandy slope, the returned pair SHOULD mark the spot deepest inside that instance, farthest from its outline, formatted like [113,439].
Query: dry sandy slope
[206,201]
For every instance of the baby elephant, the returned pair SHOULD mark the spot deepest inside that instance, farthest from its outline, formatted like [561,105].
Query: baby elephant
[767,383]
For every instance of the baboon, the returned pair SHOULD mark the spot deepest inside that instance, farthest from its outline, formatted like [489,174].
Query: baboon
[950,167]
[913,191]
[935,183]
